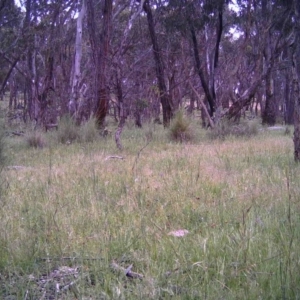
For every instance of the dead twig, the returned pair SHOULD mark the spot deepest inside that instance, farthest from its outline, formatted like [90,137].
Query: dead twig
[114,156]
[18,133]
[139,153]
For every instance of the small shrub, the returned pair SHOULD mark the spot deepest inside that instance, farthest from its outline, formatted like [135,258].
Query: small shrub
[88,132]
[68,131]
[180,128]
[229,128]
[35,139]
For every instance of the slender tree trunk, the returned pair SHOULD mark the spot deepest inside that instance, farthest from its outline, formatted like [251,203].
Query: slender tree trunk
[100,50]
[103,96]
[288,100]
[13,65]
[122,115]
[209,97]
[76,78]
[208,84]
[164,96]
[270,111]
[297,83]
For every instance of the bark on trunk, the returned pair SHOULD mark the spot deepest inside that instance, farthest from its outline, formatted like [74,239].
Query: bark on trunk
[270,110]
[103,96]
[122,116]
[297,120]
[209,97]
[297,83]
[76,78]
[288,100]
[100,50]
[163,94]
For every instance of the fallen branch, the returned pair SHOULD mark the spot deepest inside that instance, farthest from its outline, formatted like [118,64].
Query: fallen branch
[114,156]
[17,133]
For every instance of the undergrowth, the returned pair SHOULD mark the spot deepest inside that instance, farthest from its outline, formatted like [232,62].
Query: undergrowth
[226,128]
[181,129]
[210,220]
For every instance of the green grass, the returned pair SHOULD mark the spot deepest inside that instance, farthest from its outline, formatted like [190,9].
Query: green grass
[74,205]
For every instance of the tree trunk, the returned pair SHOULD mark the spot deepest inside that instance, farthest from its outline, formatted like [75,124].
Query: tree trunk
[270,111]
[288,100]
[122,115]
[164,97]
[209,97]
[102,105]
[297,83]
[100,49]
[75,81]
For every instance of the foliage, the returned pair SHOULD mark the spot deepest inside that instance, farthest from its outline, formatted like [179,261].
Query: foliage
[68,131]
[180,128]
[227,128]
[141,104]
[88,132]
[35,139]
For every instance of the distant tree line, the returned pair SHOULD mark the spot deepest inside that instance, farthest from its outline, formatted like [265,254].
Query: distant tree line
[145,59]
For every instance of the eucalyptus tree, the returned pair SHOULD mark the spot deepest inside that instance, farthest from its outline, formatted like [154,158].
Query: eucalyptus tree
[123,41]
[296,79]
[259,52]
[10,40]
[275,15]
[159,66]
[39,54]
[204,20]
[100,46]
[76,75]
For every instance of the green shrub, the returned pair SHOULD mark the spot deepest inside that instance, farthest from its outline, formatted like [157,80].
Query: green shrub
[227,128]
[35,139]
[180,128]
[88,132]
[68,131]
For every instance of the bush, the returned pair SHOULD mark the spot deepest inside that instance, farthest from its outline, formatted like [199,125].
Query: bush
[68,131]
[88,132]
[180,128]
[35,139]
[229,128]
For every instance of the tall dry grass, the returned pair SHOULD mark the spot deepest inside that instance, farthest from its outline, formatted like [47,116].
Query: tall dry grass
[86,205]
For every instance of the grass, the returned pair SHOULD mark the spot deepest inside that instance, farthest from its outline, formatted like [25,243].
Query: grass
[75,206]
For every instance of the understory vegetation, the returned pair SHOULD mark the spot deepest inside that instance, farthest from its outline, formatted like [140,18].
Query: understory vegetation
[201,219]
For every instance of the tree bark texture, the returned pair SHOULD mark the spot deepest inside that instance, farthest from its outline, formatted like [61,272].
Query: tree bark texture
[159,68]
[100,50]
[270,111]
[297,83]
[209,97]
[103,95]
[75,81]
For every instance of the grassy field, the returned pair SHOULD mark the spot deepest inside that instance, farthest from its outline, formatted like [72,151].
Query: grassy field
[78,221]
